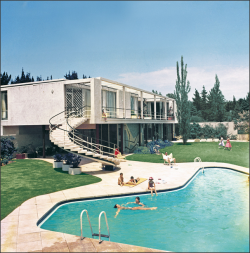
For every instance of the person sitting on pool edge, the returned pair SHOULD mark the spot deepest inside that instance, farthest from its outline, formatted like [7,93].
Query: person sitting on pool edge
[151,186]
[120,180]
[132,208]
[137,201]
[133,181]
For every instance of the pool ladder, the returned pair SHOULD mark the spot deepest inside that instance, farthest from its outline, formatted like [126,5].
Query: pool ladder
[94,234]
[198,159]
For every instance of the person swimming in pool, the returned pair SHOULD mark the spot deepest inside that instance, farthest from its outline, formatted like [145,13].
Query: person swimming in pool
[132,208]
[137,201]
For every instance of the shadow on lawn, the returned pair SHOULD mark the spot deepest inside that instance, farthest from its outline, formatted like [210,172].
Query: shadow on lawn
[188,143]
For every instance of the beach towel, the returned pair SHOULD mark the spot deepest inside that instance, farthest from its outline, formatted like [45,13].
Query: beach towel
[140,181]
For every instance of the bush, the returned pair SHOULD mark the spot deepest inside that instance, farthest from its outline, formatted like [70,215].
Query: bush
[142,150]
[23,149]
[7,149]
[58,158]
[76,159]
[68,158]
[220,130]
[196,119]
[153,147]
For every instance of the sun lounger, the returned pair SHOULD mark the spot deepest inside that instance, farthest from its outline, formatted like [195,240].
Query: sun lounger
[140,181]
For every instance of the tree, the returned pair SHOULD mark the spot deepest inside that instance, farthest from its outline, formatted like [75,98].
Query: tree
[5,78]
[39,78]
[242,123]
[182,88]
[170,95]
[204,103]
[197,100]
[71,76]
[24,78]
[216,103]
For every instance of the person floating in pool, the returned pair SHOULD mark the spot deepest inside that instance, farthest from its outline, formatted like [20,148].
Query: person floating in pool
[137,201]
[228,144]
[132,208]
[151,186]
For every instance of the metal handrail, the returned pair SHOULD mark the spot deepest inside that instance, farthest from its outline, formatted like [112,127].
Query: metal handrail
[100,226]
[89,222]
[95,147]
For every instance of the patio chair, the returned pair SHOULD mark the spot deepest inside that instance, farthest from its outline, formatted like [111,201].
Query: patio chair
[169,159]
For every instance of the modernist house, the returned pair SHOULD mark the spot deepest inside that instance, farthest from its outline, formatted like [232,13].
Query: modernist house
[114,113]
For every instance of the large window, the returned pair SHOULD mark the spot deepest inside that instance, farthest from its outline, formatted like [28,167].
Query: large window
[4,105]
[134,107]
[109,103]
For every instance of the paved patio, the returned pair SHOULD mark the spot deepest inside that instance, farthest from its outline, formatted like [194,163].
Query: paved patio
[19,232]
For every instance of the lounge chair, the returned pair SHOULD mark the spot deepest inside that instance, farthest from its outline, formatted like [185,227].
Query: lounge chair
[169,159]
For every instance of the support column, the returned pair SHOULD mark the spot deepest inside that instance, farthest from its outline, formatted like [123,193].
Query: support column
[154,106]
[173,130]
[95,101]
[122,138]
[124,105]
[43,134]
[141,105]
[165,112]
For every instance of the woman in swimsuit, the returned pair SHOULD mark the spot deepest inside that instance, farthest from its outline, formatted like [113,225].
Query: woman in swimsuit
[133,181]
[151,186]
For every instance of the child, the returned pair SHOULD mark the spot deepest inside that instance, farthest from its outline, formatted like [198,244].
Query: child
[228,144]
[151,186]
[104,115]
[120,180]
[221,142]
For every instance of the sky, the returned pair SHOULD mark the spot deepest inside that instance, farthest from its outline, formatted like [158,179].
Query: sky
[133,42]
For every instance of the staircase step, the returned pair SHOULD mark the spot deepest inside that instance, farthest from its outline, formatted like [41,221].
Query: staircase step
[89,153]
[76,149]
[110,158]
[83,151]
[103,156]
[96,155]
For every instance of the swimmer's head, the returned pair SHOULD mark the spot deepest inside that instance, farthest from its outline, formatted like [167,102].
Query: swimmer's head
[137,199]
[115,206]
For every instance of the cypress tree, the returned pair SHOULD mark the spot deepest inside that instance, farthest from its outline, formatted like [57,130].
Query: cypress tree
[182,88]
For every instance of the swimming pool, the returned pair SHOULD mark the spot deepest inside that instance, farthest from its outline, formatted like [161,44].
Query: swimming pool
[211,214]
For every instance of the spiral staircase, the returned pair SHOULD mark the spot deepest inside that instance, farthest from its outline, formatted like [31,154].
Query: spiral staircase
[63,133]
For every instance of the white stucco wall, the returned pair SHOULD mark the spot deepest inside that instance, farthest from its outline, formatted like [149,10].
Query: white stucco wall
[34,104]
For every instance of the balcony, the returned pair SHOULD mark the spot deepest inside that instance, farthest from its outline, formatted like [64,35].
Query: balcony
[120,113]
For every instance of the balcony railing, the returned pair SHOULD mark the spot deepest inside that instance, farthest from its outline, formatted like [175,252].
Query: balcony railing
[120,113]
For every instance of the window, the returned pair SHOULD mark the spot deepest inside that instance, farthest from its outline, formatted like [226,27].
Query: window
[109,103]
[4,105]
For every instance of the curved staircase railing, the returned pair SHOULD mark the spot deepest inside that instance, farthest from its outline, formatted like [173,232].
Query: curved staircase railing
[63,133]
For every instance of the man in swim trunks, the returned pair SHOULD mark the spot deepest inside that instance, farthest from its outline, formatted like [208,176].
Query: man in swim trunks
[132,208]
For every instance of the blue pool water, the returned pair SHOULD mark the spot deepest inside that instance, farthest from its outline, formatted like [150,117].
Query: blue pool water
[211,214]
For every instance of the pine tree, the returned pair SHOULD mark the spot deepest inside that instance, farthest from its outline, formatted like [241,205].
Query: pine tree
[170,95]
[182,88]
[197,100]
[72,76]
[216,103]
[204,103]
[5,78]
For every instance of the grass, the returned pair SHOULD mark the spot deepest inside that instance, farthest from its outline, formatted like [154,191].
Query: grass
[24,179]
[207,151]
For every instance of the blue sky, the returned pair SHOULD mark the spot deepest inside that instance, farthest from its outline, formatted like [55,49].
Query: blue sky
[136,43]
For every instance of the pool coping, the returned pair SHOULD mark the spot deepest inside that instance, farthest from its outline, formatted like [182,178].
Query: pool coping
[15,228]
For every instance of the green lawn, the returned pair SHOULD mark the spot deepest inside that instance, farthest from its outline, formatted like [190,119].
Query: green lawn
[207,151]
[24,179]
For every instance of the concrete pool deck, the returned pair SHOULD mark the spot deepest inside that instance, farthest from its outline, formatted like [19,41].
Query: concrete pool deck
[19,232]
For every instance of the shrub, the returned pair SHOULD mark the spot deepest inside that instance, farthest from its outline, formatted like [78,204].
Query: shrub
[58,158]
[76,159]
[7,149]
[220,130]
[68,158]
[142,150]
[153,147]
